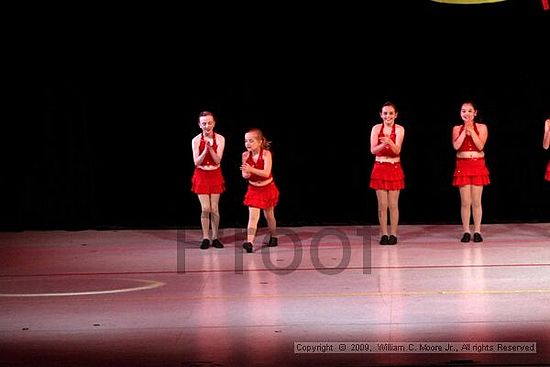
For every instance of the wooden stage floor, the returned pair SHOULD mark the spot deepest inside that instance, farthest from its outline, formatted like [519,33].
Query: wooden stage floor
[326,296]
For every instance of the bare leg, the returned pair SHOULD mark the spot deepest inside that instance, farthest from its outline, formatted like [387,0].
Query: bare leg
[253,218]
[269,215]
[215,214]
[393,199]
[382,196]
[205,215]
[465,205]
[476,207]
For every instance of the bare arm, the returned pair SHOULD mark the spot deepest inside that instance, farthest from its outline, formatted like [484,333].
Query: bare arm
[399,135]
[265,172]
[244,173]
[197,157]
[458,137]
[375,144]
[479,138]
[546,139]
[217,155]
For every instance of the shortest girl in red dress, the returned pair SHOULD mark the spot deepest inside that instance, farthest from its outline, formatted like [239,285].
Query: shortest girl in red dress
[546,145]
[262,192]
[387,176]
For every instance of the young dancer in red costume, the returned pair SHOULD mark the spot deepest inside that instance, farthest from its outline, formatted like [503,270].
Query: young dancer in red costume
[262,193]
[471,172]
[387,176]
[546,145]
[207,181]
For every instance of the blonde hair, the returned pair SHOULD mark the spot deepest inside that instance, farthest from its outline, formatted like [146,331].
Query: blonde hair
[266,144]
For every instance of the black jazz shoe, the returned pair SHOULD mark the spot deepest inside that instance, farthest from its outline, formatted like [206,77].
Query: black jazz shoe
[392,240]
[384,240]
[273,242]
[465,237]
[477,237]
[248,247]
[205,244]
[216,243]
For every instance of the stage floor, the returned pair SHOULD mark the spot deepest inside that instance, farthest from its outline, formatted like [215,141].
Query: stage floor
[153,298]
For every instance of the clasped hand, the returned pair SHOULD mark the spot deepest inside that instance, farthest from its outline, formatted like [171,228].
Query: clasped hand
[469,128]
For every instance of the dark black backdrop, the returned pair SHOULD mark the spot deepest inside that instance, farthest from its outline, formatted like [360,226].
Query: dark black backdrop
[102,105]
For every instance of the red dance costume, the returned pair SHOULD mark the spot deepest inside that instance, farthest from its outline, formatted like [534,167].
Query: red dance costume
[263,197]
[207,181]
[547,176]
[387,175]
[470,171]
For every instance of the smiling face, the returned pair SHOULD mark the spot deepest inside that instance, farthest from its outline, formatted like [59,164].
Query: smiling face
[252,142]
[207,123]
[388,114]
[468,112]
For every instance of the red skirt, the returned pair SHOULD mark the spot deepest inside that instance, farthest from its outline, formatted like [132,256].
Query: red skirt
[207,182]
[471,171]
[547,175]
[263,197]
[387,176]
